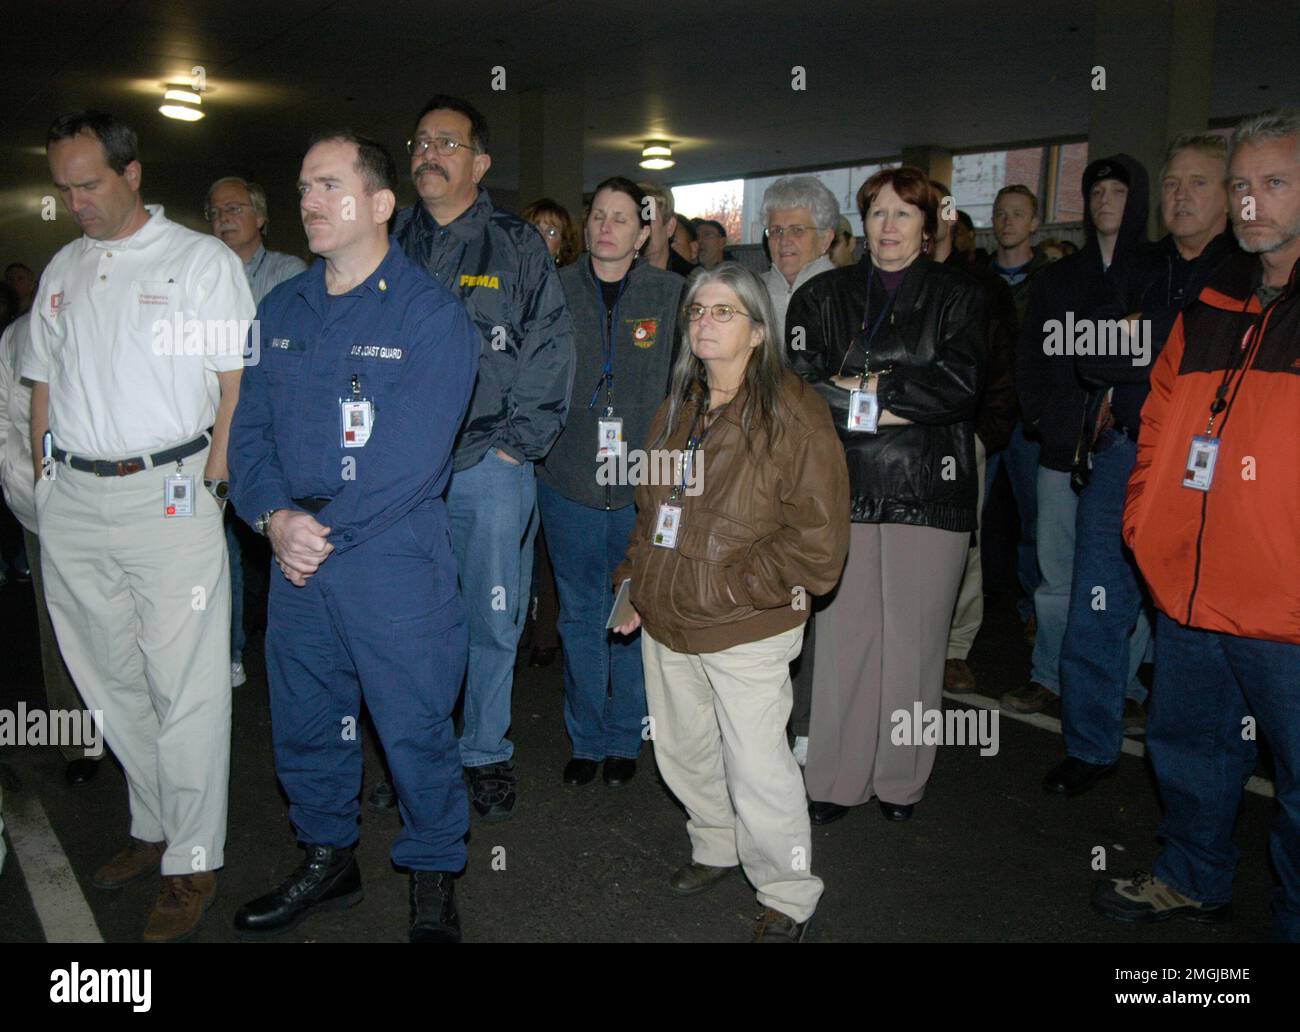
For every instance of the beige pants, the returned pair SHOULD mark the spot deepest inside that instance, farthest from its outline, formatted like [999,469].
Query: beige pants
[880,649]
[60,692]
[141,606]
[969,611]
[719,732]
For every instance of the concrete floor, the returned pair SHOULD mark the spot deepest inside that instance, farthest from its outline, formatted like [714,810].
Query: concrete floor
[987,857]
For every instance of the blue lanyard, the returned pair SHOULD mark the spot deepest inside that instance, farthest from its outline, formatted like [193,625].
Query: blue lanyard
[889,305]
[608,331]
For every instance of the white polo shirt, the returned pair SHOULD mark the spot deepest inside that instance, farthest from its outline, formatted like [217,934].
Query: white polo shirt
[130,335]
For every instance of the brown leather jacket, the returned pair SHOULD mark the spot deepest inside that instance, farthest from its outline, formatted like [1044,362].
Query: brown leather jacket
[764,535]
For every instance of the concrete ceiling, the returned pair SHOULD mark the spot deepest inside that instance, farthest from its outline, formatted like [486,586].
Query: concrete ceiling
[714,76]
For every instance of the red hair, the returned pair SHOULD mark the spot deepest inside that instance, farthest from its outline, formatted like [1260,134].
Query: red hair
[912,186]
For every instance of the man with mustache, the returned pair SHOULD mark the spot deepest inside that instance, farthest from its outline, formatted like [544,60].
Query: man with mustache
[1213,517]
[236,210]
[131,542]
[340,454]
[498,265]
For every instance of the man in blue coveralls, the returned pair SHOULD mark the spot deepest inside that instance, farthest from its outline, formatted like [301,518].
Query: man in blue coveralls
[340,454]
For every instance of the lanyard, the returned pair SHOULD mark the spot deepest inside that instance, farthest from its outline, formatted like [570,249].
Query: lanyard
[1239,359]
[866,342]
[694,442]
[608,330]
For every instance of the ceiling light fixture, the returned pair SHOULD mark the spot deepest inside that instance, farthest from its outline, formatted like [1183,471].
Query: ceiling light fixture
[182,105]
[656,155]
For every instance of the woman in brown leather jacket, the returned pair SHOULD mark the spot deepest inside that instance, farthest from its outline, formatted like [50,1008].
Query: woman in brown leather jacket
[722,562]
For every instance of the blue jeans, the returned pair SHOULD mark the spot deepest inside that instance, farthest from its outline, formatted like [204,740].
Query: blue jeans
[1020,457]
[1206,684]
[493,523]
[237,637]
[604,688]
[1107,630]
[1058,507]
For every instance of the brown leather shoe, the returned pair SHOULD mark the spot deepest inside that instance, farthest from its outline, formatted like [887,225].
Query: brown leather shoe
[958,676]
[138,860]
[1032,698]
[692,878]
[774,926]
[181,905]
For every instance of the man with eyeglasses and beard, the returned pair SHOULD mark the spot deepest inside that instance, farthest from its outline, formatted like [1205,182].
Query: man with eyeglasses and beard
[498,266]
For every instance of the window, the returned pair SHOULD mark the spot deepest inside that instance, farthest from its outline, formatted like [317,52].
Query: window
[977,178]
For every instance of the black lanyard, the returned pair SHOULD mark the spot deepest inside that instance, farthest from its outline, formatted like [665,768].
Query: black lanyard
[865,342]
[1238,360]
[694,442]
[608,331]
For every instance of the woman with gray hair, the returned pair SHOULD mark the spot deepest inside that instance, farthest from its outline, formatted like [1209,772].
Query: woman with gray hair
[800,216]
[722,561]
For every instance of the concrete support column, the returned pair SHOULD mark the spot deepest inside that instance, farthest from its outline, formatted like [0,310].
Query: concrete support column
[935,162]
[1156,58]
[551,123]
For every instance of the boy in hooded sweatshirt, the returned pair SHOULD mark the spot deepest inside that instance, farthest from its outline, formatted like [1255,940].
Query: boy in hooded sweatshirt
[1102,281]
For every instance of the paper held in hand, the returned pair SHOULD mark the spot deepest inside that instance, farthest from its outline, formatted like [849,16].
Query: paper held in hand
[622,611]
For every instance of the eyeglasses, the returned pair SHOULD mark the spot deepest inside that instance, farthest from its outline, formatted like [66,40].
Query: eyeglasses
[720,313]
[794,232]
[444,146]
[550,232]
[230,211]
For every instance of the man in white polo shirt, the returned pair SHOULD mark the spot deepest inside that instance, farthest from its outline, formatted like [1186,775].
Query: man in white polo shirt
[135,359]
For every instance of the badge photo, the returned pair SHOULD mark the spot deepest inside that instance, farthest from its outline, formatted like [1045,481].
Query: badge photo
[864,411]
[667,524]
[1201,457]
[178,495]
[609,436]
[356,416]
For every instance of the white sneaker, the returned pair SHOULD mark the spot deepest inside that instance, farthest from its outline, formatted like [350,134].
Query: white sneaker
[800,750]
[237,675]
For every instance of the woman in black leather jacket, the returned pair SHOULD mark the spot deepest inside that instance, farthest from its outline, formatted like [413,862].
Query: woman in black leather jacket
[895,344]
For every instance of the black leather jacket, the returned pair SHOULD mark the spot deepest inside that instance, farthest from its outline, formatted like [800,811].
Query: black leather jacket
[933,343]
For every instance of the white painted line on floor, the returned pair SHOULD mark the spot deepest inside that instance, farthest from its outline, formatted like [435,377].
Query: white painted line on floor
[65,915]
[1258,785]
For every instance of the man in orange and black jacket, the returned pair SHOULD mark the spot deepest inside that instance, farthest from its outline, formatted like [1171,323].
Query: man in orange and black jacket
[1213,518]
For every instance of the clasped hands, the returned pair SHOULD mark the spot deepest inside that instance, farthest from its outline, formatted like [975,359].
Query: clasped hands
[300,544]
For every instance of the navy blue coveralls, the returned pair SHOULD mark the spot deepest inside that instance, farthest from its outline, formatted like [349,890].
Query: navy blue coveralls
[382,616]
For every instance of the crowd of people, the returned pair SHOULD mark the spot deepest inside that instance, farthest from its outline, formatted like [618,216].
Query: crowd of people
[450,385]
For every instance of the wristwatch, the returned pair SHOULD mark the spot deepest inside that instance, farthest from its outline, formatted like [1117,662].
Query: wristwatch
[263,522]
[219,489]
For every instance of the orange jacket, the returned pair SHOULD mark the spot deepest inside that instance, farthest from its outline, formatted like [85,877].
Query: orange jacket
[1226,559]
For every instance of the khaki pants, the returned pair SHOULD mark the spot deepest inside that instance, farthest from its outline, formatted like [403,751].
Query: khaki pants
[141,606]
[880,649]
[719,732]
[60,692]
[969,611]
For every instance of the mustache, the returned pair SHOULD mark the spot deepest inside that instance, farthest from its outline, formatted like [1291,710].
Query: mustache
[428,166]
[307,220]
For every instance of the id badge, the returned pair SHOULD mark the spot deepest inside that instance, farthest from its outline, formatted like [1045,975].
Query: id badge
[864,411]
[178,495]
[609,436]
[667,525]
[357,418]
[1201,458]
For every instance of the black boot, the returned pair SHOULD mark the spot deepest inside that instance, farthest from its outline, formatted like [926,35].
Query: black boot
[328,879]
[433,907]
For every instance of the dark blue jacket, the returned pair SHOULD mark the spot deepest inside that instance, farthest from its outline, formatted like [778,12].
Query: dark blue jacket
[498,265]
[414,352]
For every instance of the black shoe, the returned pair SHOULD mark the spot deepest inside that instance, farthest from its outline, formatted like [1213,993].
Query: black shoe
[691,878]
[81,772]
[1073,777]
[579,772]
[382,798]
[433,907]
[825,813]
[897,811]
[619,771]
[542,657]
[492,790]
[328,879]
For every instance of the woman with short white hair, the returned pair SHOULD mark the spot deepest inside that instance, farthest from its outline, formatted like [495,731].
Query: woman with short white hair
[800,216]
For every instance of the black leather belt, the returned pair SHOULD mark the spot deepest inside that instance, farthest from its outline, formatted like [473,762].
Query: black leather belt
[312,505]
[125,467]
